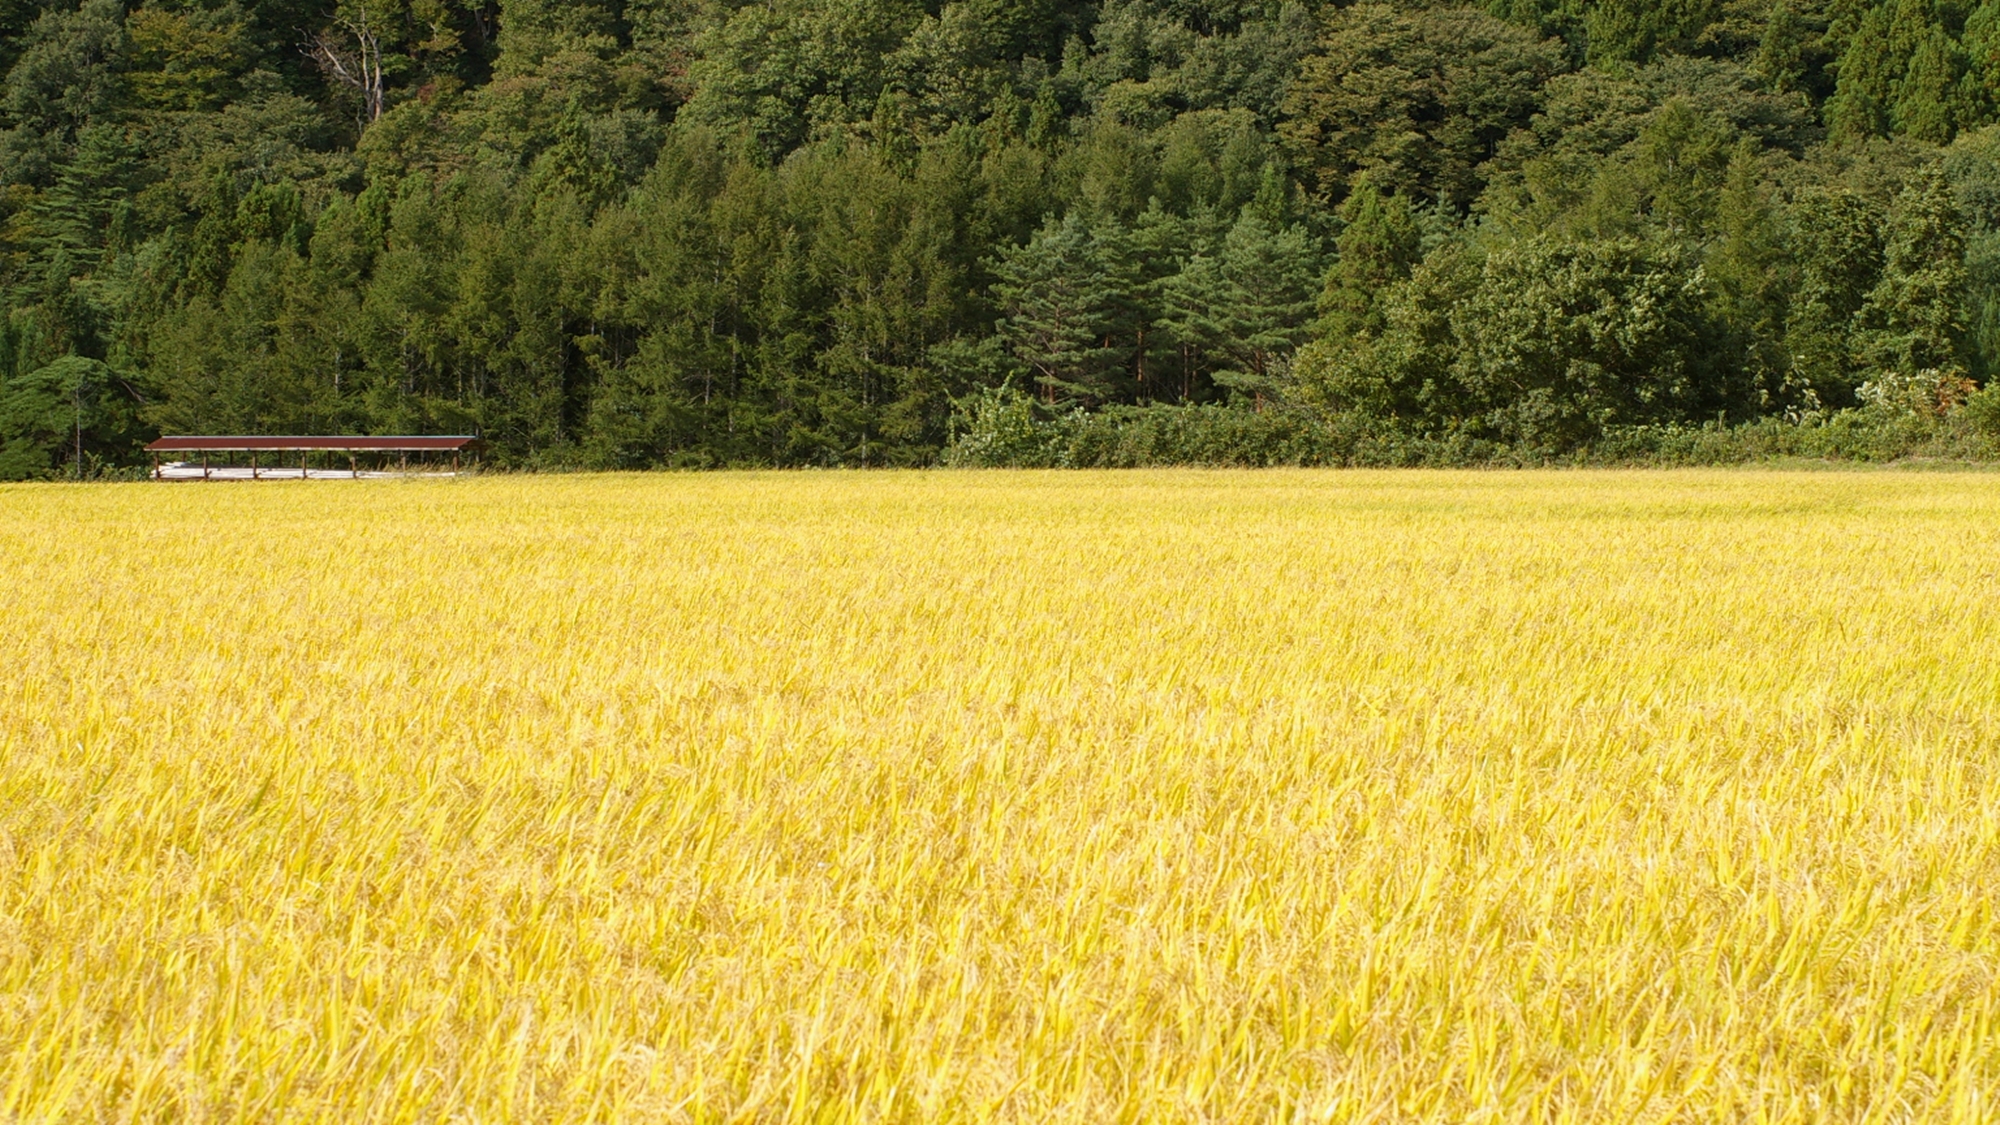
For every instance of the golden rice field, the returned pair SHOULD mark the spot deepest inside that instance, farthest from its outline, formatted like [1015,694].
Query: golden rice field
[1181,796]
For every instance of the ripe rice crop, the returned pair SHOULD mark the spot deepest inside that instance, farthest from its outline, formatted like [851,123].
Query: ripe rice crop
[1275,796]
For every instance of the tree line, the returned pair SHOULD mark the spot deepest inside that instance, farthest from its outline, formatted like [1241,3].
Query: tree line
[633,233]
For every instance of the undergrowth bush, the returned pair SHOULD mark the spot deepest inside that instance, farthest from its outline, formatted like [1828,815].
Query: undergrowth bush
[1004,428]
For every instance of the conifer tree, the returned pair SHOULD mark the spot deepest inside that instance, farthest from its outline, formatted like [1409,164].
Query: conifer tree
[1377,248]
[1840,260]
[1059,311]
[1271,276]
[1750,273]
[87,209]
[1869,68]
[1915,315]
[1981,44]
[1781,53]
[1927,99]
[1194,316]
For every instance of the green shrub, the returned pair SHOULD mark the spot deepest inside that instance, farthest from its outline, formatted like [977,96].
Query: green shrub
[1005,429]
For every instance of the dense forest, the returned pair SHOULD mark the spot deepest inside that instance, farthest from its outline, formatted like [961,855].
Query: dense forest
[629,233]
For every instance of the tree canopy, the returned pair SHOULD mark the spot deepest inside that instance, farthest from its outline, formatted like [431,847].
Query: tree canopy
[686,232]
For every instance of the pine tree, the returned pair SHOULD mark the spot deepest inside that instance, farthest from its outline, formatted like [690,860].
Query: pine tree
[1981,44]
[1781,54]
[1378,248]
[1168,362]
[87,210]
[1927,99]
[1839,251]
[210,244]
[72,408]
[1749,268]
[1869,69]
[1059,308]
[1271,275]
[1194,316]
[1915,316]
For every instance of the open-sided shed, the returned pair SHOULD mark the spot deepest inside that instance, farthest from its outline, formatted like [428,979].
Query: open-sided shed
[307,444]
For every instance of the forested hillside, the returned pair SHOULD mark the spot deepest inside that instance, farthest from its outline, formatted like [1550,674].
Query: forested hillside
[697,232]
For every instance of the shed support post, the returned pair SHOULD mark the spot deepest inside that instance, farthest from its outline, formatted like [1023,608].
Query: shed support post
[403,462]
[304,473]
[454,463]
[204,464]
[253,466]
[353,470]
[156,466]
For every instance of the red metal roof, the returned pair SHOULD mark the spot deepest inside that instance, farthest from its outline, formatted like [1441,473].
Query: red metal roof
[298,442]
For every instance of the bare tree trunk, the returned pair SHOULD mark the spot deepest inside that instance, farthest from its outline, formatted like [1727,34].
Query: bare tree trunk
[358,67]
